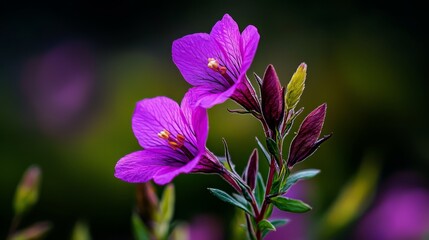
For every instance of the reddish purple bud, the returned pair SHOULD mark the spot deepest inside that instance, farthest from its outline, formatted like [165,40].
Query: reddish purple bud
[272,98]
[252,169]
[307,140]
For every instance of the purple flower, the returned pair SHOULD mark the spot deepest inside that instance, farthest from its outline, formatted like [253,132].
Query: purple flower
[216,63]
[400,212]
[174,141]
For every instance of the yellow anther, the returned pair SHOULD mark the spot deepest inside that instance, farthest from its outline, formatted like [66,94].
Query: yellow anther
[164,134]
[213,64]
[174,145]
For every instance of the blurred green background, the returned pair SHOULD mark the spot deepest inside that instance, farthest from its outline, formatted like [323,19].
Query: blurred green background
[71,73]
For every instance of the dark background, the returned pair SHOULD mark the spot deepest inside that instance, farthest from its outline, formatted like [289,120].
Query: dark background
[71,73]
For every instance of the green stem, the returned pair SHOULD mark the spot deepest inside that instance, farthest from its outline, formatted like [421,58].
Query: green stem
[261,214]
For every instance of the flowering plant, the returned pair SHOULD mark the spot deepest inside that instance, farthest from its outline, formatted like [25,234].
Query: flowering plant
[174,137]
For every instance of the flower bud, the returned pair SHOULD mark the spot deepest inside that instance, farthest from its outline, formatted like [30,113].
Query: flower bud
[27,191]
[306,141]
[272,98]
[296,86]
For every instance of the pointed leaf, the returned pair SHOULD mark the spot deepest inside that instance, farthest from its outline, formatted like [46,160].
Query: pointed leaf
[301,175]
[167,204]
[139,229]
[264,224]
[269,211]
[279,222]
[258,79]
[266,153]
[229,199]
[252,169]
[260,190]
[230,165]
[273,148]
[290,205]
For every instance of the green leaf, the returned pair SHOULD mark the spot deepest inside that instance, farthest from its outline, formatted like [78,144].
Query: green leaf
[269,211]
[230,166]
[266,225]
[165,212]
[273,148]
[260,190]
[301,175]
[167,204]
[276,184]
[276,223]
[264,151]
[279,222]
[290,205]
[139,229]
[229,199]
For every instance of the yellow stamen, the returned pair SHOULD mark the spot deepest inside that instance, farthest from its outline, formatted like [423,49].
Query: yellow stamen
[213,64]
[164,134]
[173,142]
[174,145]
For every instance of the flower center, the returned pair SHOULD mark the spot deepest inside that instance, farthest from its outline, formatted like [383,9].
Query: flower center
[215,66]
[174,142]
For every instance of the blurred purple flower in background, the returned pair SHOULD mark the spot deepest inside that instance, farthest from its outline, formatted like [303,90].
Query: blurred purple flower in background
[59,88]
[401,212]
[205,227]
[298,225]
[216,63]
[174,141]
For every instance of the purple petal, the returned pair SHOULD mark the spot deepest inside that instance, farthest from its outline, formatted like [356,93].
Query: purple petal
[208,97]
[227,35]
[248,45]
[307,136]
[191,54]
[157,114]
[162,165]
[272,98]
[198,117]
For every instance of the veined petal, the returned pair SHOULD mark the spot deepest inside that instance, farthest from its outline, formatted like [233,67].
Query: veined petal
[208,97]
[154,115]
[198,117]
[166,175]
[142,166]
[248,45]
[191,54]
[227,35]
